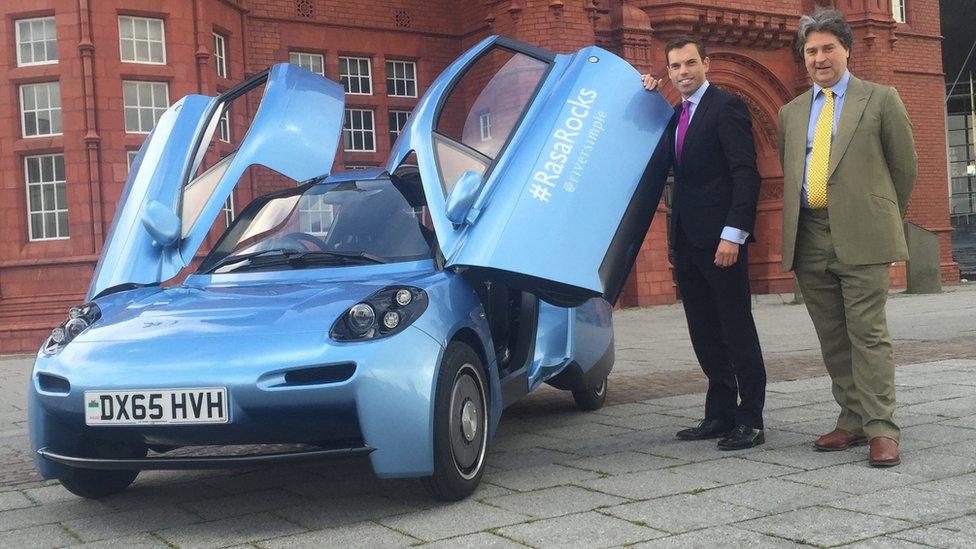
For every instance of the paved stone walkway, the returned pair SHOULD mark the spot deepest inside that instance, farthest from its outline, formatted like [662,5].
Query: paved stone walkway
[562,478]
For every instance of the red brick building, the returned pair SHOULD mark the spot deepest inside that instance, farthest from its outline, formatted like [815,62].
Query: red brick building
[83,81]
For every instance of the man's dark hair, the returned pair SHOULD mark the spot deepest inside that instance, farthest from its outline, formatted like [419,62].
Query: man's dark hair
[681,42]
[824,20]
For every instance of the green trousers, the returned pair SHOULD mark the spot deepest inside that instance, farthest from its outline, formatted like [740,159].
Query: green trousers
[847,306]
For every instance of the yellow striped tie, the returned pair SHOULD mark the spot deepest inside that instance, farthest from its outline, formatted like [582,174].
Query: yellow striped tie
[820,159]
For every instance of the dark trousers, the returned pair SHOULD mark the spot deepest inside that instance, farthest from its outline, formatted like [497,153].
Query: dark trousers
[718,307]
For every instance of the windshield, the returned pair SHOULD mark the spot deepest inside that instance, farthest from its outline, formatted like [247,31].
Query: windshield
[328,225]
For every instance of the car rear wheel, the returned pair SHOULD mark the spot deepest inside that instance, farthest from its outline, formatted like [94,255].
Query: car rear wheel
[591,399]
[97,483]
[460,424]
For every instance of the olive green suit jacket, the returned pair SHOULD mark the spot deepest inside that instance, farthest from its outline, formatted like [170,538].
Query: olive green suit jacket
[870,177]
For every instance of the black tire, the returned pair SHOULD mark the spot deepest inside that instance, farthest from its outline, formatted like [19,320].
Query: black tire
[591,399]
[460,424]
[97,483]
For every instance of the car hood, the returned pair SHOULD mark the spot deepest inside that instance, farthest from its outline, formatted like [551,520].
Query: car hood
[225,311]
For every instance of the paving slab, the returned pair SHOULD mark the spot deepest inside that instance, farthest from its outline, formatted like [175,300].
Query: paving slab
[486,540]
[719,536]
[623,462]
[364,535]
[48,535]
[772,495]
[452,519]
[14,500]
[732,470]
[824,526]
[855,478]
[545,476]
[911,504]
[245,504]
[648,484]
[339,511]
[138,541]
[130,522]
[230,531]
[956,533]
[581,530]
[683,513]
[554,502]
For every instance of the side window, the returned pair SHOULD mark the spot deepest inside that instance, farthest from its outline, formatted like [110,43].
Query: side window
[501,83]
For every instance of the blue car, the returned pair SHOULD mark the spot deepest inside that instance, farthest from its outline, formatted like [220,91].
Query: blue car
[392,312]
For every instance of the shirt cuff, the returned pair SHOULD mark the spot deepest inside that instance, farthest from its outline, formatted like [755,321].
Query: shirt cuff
[734,235]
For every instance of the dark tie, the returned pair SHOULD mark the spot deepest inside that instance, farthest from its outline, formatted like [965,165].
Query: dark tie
[682,129]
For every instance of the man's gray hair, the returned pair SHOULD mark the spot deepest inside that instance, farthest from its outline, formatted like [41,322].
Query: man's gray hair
[824,20]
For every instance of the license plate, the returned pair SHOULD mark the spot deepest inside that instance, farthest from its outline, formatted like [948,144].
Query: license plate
[163,406]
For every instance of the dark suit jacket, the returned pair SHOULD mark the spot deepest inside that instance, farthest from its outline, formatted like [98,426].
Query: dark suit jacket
[717,183]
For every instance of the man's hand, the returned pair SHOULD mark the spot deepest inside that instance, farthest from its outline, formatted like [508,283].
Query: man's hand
[727,253]
[651,83]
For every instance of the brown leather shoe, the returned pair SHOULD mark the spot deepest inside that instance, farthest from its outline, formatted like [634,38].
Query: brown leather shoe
[883,452]
[838,439]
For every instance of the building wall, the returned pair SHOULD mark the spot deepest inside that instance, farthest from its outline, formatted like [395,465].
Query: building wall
[749,43]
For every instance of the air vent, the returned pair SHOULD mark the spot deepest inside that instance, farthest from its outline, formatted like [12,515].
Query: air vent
[401,18]
[305,8]
[53,384]
[333,373]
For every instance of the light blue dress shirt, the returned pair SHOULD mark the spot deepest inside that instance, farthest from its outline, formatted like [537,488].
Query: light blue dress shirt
[728,233]
[840,91]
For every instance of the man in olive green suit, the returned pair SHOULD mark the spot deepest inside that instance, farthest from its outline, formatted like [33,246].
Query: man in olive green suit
[849,166]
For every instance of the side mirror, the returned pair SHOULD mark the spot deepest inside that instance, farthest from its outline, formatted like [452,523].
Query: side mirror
[462,196]
[161,223]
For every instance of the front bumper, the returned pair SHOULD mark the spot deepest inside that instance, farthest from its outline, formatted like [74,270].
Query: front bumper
[384,409]
[190,463]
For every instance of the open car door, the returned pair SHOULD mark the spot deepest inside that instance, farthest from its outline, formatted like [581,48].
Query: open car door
[167,207]
[533,164]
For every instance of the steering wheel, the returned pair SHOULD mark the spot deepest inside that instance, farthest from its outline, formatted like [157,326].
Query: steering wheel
[301,238]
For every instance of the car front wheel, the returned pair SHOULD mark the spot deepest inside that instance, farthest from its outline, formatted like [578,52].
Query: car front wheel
[591,399]
[460,424]
[98,483]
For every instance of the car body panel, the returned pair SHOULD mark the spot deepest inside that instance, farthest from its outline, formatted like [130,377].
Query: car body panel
[552,201]
[282,137]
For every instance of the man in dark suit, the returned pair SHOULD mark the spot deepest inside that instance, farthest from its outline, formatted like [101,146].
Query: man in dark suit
[709,146]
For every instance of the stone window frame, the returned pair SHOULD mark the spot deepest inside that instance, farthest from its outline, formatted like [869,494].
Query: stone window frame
[306,60]
[223,125]
[157,109]
[46,40]
[899,11]
[53,112]
[149,41]
[350,130]
[396,124]
[53,188]
[220,54]
[347,78]
[407,80]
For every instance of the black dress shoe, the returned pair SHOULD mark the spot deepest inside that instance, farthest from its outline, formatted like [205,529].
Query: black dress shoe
[708,428]
[742,437]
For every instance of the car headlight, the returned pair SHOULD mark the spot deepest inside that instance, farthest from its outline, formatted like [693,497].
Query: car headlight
[385,313]
[79,319]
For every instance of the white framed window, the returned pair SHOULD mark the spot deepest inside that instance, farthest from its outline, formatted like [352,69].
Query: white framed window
[398,119]
[144,103]
[898,10]
[223,126]
[142,40]
[312,62]
[401,78]
[359,131]
[220,55]
[47,200]
[130,157]
[40,108]
[315,215]
[356,75]
[228,210]
[484,124]
[37,41]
